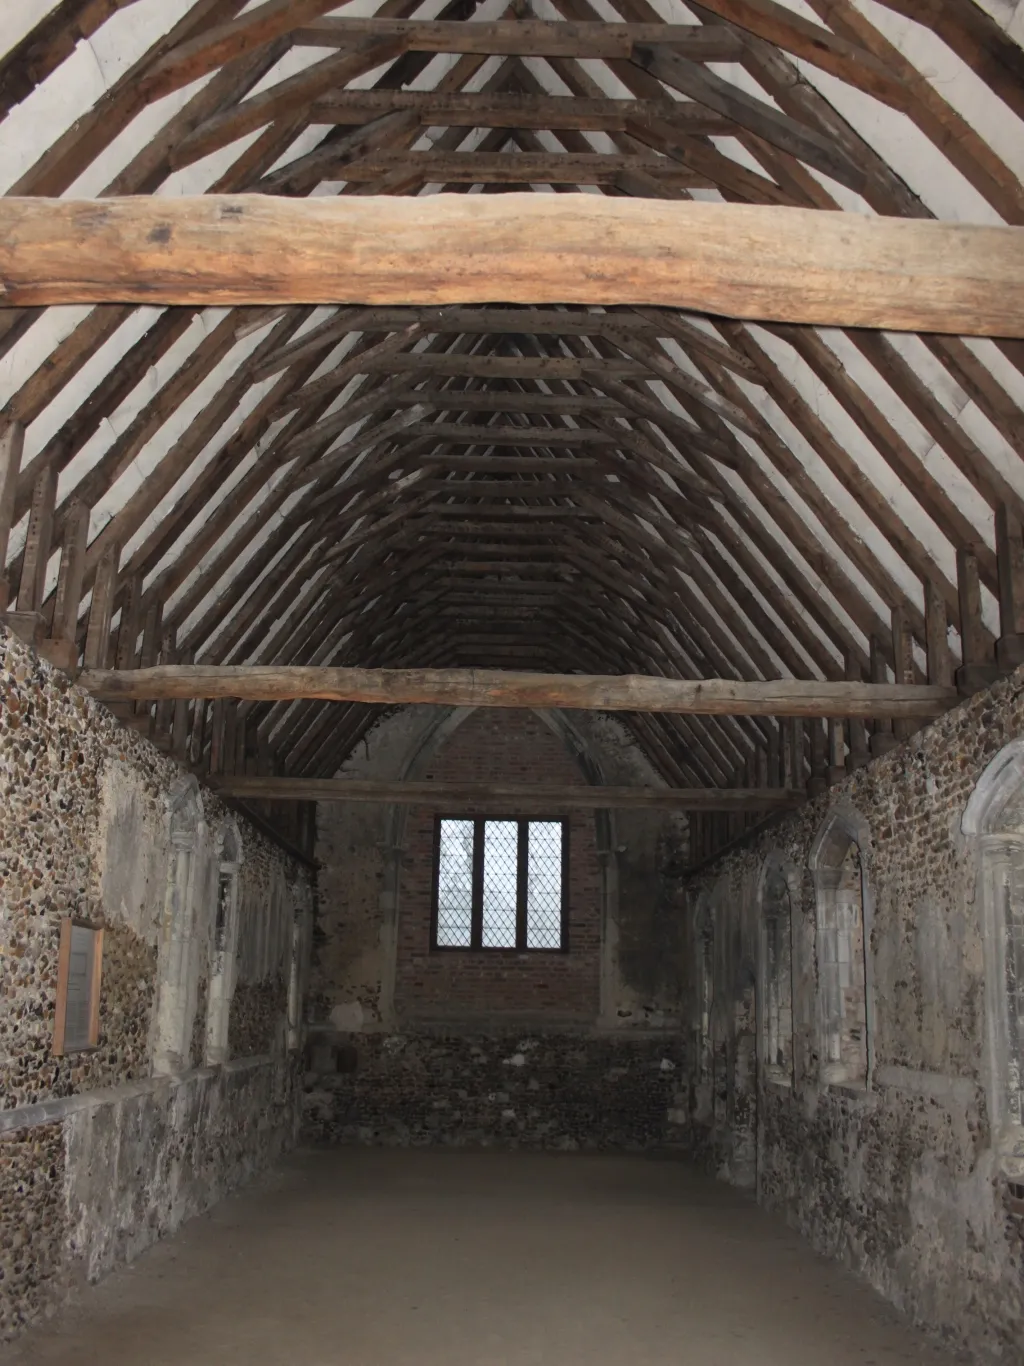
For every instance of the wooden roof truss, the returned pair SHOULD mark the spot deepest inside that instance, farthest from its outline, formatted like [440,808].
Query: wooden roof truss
[553,488]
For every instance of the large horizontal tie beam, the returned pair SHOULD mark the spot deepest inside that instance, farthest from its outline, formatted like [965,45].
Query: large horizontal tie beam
[440,796]
[741,260]
[500,688]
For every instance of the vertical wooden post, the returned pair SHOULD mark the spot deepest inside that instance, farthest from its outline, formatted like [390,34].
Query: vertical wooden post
[816,782]
[12,441]
[128,630]
[903,672]
[936,622]
[197,735]
[247,747]
[101,610]
[229,747]
[722,832]
[882,737]
[796,752]
[151,634]
[64,647]
[978,668]
[180,719]
[734,827]
[38,541]
[836,753]
[279,810]
[790,774]
[1010,566]
[217,723]
[761,766]
[150,655]
[165,708]
[749,779]
[856,730]
[774,756]
[693,850]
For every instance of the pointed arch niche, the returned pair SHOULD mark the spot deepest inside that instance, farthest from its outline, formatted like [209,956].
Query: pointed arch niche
[843,933]
[179,969]
[776,895]
[230,854]
[994,821]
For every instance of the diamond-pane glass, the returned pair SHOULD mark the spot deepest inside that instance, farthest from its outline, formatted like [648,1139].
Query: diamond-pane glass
[455,885]
[501,843]
[544,894]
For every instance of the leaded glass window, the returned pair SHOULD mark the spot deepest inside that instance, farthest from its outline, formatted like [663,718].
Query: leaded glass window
[500,884]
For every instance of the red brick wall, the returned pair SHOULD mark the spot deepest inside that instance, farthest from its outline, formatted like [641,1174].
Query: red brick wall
[500,746]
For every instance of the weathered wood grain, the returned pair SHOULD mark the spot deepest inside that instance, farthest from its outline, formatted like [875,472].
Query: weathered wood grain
[494,688]
[743,260]
[507,797]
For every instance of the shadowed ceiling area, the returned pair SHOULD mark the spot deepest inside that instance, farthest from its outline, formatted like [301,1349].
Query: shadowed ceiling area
[559,489]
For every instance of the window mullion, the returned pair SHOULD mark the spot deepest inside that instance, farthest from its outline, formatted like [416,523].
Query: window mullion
[522,882]
[477,924]
[565,886]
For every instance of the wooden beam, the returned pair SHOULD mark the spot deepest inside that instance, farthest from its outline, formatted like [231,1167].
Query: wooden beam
[743,260]
[227,42]
[12,442]
[513,367]
[845,60]
[518,168]
[469,434]
[789,135]
[470,688]
[439,796]
[50,43]
[482,110]
[510,464]
[525,37]
[38,542]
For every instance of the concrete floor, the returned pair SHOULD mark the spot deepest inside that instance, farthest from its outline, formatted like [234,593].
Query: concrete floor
[370,1258]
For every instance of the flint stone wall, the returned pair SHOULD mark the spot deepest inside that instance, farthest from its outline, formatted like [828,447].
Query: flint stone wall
[899,1179]
[89,1182]
[560,1091]
[97,1158]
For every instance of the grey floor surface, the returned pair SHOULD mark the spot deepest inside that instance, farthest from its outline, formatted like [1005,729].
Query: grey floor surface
[389,1258]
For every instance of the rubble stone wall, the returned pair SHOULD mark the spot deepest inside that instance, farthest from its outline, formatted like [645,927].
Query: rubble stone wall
[902,1176]
[563,1091]
[97,1156]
